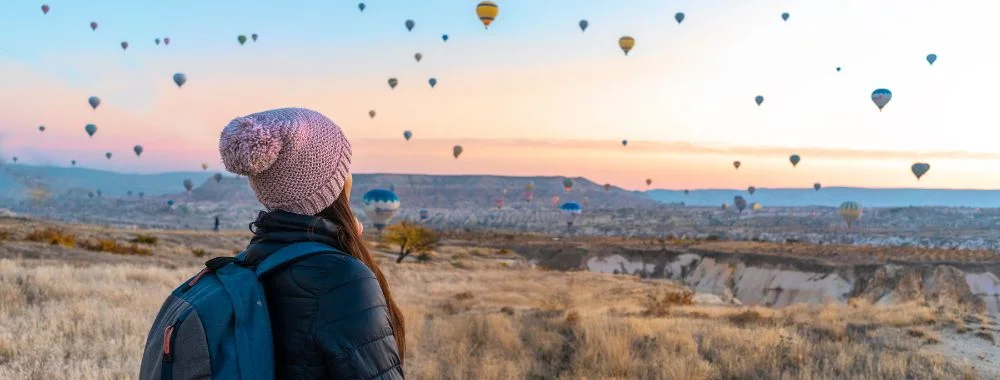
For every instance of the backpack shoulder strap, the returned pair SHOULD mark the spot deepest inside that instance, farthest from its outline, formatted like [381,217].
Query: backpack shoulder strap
[291,253]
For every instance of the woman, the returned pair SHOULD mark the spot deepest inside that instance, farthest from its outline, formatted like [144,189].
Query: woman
[332,315]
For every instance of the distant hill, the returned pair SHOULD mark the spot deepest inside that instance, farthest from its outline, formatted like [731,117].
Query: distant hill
[417,191]
[834,196]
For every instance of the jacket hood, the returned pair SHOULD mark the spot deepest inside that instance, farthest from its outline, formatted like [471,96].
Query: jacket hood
[276,229]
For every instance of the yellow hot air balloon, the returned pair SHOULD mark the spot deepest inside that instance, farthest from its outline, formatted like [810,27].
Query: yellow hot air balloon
[626,43]
[204,166]
[487,11]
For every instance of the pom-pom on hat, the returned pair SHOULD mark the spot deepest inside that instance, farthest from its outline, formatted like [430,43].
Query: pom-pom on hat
[297,160]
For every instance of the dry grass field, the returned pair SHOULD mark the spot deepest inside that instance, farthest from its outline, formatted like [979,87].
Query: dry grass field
[75,311]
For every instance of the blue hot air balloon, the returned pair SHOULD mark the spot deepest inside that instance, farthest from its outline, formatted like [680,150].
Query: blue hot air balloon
[784,16]
[180,79]
[91,129]
[759,99]
[583,25]
[740,203]
[679,16]
[407,135]
[94,102]
[433,82]
[380,206]
[931,58]
[409,25]
[838,69]
[424,214]
[361,7]
[170,203]
[444,37]
[571,211]
[881,97]
[624,142]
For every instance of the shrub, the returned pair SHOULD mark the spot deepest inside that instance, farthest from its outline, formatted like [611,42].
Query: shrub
[199,252]
[654,306]
[145,239]
[747,317]
[112,246]
[52,236]
[464,296]
[411,238]
[504,251]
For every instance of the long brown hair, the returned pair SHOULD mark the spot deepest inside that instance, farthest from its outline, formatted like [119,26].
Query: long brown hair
[350,241]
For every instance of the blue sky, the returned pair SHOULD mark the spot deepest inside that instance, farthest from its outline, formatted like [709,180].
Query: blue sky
[533,76]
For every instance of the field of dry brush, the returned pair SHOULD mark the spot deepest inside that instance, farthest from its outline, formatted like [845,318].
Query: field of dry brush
[76,311]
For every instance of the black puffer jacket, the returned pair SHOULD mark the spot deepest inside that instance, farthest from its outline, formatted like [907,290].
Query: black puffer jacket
[328,315]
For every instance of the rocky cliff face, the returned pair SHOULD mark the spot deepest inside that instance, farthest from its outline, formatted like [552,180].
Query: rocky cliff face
[780,282]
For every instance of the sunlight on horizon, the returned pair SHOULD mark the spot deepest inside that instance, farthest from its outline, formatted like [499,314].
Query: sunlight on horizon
[533,95]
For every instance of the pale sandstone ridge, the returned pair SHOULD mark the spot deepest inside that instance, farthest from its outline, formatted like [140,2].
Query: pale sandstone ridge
[783,282]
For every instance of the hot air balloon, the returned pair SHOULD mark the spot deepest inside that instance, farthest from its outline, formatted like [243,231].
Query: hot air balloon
[129,193]
[626,43]
[555,200]
[93,25]
[380,206]
[568,184]
[170,203]
[141,194]
[740,203]
[41,128]
[108,155]
[433,82]
[204,166]
[94,102]
[881,97]
[456,151]
[393,82]
[784,16]
[529,191]
[756,206]
[241,39]
[794,159]
[99,193]
[931,58]
[424,214]
[418,57]
[124,45]
[583,25]
[919,169]
[91,129]
[817,186]
[571,211]
[649,181]
[850,212]
[408,135]
[166,41]
[444,37]
[736,164]
[838,69]
[361,7]
[499,203]
[487,11]
[253,37]
[157,41]
[138,150]
[45,9]
[751,190]
[686,191]
[759,99]
[607,187]
[217,177]
[679,16]
[188,185]
[180,79]
[15,159]
[73,162]
[371,114]
[409,25]
[725,206]
[624,142]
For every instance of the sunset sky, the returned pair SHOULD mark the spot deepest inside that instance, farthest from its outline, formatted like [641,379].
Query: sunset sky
[533,95]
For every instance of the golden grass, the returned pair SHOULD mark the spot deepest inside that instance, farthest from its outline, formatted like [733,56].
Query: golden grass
[53,236]
[113,246]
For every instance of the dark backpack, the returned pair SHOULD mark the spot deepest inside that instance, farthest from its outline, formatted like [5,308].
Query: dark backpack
[216,325]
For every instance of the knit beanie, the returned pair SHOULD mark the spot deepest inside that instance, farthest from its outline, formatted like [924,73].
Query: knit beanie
[297,160]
